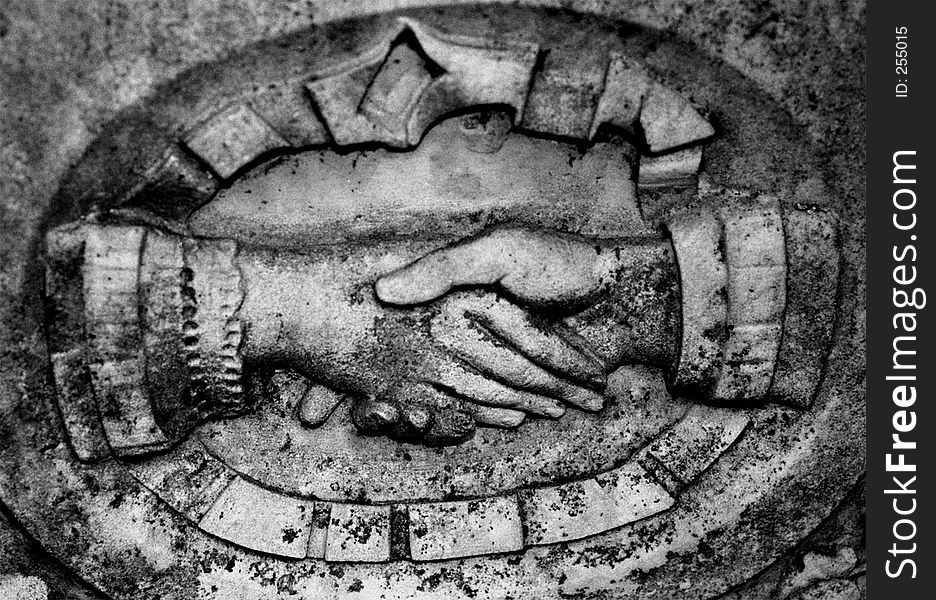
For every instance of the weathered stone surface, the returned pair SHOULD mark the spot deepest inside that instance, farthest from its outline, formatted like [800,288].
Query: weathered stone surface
[669,121]
[76,403]
[811,286]
[444,530]
[704,278]
[174,186]
[21,587]
[396,88]
[189,480]
[232,138]
[757,275]
[318,402]
[213,330]
[125,410]
[358,533]
[486,132]
[476,72]
[338,91]
[318,538]
[769,132]
[290,112]
[584,508]
[675,169]
[260,519]
[626,83]
[447,189]
[110,276]
[693,444]
[565,93]
[117,366]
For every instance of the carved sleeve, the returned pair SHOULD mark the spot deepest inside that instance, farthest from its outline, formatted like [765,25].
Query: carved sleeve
[758,294]
[145,335]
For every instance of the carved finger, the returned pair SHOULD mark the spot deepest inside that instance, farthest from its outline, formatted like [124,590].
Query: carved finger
[429,415]
[480,261]
[374,416]
[492,416]
[475,345]
[427,395]
[553,347]
[542,269]
[449,427]
[472,385]
[317,404]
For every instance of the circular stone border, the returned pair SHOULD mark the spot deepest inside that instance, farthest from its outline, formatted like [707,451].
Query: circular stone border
[229,506]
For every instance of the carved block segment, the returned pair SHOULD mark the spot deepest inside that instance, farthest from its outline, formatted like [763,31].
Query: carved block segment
[358,533]
[477,71]
[668,120]
[396,89]
[189,479]
[318,538]
[564,94]
[446,530]
[65,328]
[693,444]
[675,169]
[174,186]
[125,410]
[117,365]
[256,518]
[626,83]
[339,91]
[581,509]
[232,138]
[288,109]
[76,403]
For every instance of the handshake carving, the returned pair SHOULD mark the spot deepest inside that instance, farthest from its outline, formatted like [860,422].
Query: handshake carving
[151,333]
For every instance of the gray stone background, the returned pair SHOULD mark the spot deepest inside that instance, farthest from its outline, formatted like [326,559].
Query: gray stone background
[67,67]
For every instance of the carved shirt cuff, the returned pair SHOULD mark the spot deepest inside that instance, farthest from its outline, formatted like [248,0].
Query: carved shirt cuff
[162,335]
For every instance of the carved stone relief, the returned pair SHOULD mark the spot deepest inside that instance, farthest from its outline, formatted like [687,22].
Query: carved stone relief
[438,303]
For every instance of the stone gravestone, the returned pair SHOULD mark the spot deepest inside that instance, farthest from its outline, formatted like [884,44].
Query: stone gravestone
[439,304]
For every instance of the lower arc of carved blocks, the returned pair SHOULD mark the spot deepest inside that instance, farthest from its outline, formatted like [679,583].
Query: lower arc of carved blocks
[188,479]
[232,138]
[581,509]
[358,533]
[446,530]
[259,519]
[693,444]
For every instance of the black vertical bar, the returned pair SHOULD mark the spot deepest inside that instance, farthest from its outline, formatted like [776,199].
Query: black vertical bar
[901,269]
